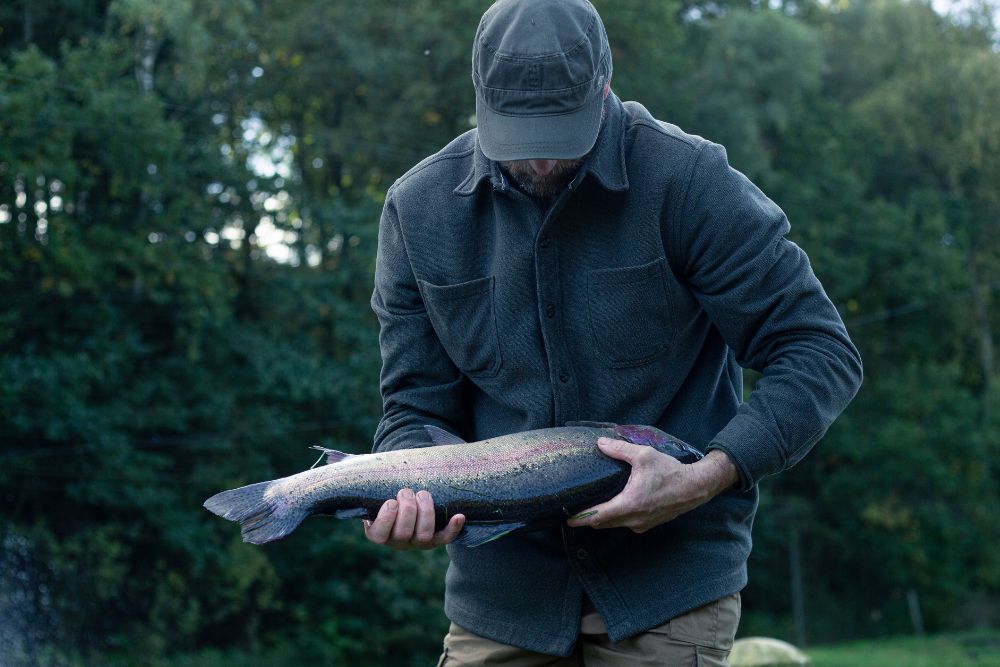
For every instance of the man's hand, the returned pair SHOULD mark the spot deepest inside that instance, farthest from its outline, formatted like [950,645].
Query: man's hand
[408,523]
[659,489]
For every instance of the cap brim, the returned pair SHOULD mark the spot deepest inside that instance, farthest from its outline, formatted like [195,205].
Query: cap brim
[504,137]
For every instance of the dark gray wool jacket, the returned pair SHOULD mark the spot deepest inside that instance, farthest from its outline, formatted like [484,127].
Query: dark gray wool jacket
[635,297]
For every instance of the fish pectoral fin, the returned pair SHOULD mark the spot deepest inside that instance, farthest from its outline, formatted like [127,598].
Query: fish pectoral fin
[592,424]
[473,535]
[439,436]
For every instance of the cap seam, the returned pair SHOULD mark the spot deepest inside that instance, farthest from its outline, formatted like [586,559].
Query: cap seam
[535,143]
[477,82]
[535,91]
[584,39]
[537,115]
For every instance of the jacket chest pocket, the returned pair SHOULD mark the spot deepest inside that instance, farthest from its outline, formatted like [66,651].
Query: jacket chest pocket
[630,313]
[464,318]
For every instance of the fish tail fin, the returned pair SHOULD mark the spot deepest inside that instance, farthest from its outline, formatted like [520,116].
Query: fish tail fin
[262,517]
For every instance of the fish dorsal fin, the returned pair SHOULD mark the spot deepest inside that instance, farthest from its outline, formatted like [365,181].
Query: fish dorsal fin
[592,424]
[439,436]
[332,455]
[474,535]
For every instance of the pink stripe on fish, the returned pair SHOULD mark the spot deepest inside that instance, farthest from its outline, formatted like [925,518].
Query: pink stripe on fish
[504,458]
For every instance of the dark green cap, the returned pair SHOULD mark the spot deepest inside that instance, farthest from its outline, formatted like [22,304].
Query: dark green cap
[539,68]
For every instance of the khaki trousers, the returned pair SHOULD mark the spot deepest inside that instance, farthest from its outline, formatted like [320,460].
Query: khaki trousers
[700,638]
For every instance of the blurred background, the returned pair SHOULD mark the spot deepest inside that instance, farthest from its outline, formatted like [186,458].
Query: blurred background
[189,199]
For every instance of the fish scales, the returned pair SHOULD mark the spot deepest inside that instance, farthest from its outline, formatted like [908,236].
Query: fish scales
[520,481]
[485,484]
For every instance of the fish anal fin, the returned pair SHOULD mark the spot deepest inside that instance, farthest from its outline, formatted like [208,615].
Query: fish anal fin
[351,513]
[474,535]
[439,436]
[332,455]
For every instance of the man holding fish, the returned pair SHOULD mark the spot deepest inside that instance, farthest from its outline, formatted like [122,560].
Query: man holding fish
[573,258]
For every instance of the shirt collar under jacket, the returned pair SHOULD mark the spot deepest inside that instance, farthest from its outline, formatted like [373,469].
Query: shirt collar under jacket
[606,163]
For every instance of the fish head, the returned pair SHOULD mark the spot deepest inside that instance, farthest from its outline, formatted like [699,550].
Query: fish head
[662,442]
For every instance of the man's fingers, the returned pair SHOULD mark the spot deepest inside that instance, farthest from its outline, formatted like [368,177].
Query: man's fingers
[608,514]
[379,530]
[424,529]
[408,523]
[621,450]
[406,518]
[592,517]
[579,518]
[605,515]
[451,531]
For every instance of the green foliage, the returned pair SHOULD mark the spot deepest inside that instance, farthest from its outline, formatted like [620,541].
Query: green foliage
[963,650]
[753,79]
[906,247]
[647,48]
[189,196]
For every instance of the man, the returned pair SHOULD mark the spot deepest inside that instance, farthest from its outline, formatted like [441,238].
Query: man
[573,258]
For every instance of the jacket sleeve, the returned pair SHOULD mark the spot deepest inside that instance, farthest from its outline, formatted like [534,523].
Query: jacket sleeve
[760,292]
[419,383]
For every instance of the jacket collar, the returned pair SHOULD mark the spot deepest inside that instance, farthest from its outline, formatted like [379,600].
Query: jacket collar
[606,162]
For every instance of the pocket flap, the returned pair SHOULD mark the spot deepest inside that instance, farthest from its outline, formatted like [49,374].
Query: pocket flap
[464,317]
[630,313]
[433,292]
[712,625]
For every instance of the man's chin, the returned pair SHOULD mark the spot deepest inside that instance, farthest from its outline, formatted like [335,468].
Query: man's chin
[547,186]
[544,188]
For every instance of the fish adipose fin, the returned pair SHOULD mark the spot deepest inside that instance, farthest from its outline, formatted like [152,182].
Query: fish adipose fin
[475,535]
[332,455]
[261,518]
[439,436]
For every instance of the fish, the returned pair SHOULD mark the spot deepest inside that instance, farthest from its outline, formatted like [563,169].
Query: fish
[515,482]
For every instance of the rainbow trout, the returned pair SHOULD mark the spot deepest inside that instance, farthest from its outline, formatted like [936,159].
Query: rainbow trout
[513,482]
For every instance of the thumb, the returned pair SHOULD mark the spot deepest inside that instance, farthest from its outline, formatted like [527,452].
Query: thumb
[619,449]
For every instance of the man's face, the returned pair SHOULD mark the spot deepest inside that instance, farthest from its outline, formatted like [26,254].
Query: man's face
[543,178]
[547,178]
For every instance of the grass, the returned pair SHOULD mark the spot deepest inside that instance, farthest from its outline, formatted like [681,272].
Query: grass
[971,649]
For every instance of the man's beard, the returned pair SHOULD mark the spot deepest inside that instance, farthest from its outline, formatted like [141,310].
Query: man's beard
[551,184]
[548,186]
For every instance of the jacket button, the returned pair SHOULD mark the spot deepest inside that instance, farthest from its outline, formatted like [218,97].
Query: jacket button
[545,240]
[564,376]
[581,554]
[550,310]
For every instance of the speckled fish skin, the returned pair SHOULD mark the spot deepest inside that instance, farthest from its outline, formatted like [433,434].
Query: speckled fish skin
[519,481]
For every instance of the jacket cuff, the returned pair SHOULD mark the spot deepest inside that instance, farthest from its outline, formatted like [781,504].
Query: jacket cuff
[751,449]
